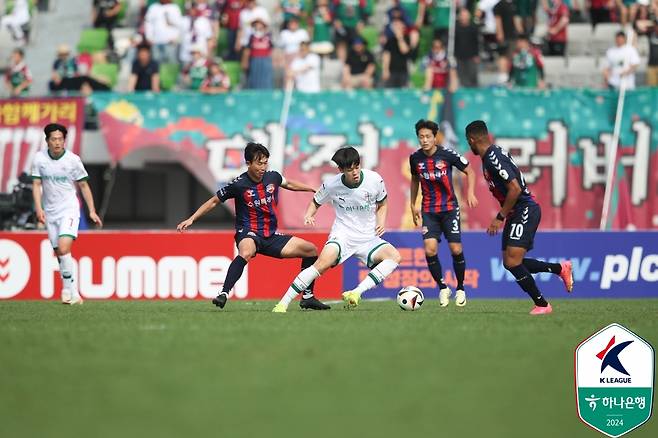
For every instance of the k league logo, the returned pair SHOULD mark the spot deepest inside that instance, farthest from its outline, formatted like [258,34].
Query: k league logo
[614,373]
[14,268]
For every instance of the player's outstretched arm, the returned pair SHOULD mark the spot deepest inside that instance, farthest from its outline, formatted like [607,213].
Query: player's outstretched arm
[36,195]
[382,210]
[413,197]
[296,186]
[205,208]
[89,200]
[309,215]
[471,199]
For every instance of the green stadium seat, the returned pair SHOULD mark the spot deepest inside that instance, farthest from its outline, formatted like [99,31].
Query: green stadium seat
[418,79]
[108,73]
[370,34]
[122,12]
[93,40]
[222,42]
[233,70]
[168,76]
[425,43]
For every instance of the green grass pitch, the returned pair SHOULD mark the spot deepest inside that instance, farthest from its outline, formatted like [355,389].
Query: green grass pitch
[186,369]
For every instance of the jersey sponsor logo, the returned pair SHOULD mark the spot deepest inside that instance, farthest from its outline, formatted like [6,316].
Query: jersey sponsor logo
[249,193]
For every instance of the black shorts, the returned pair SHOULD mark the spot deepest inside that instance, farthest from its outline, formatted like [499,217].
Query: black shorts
[521,226]
[269,246]
[446,223]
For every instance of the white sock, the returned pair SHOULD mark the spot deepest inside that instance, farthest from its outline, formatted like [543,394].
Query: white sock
[376,275]
[299,284]
[66,272]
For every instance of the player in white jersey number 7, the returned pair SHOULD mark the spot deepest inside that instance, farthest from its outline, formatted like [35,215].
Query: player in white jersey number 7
[56,172]
[359,200]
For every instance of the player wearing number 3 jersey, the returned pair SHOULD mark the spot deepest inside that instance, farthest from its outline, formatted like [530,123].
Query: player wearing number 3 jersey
[521,215]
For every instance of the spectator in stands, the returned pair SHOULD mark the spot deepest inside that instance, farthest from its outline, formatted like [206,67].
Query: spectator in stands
[599,11]
[359,70]
[196,70]
[396,56]
[305,70]
[467,49]
[439,73]
[348,19]
[18,77]
[290,39]
[527,67]
[414,11]
[216,81]
[524,15]
[652,69]
[293,8]
[196,31]
[162,28]
[208,9]
[257,57]
[248,14]
[627,10]
[321,24]
[506,32]
[63,67]
[105,14]
[145,72]
[621,61]
[398,13]
[16,19]
[231,22]
[484,15]
[645,19]
[441,19]
[558,21]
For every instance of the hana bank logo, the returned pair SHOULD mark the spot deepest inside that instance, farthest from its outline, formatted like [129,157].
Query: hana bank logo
[14,268]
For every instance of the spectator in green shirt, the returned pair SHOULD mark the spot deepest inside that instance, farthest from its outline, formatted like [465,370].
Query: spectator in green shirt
[527,68]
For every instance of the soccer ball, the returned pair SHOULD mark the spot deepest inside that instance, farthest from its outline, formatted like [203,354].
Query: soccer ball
[410,298]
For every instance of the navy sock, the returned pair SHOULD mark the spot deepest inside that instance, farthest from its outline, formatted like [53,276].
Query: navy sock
[459,264]
[527,283]
[434,265]
[535,266]
[234,273]
[308,262]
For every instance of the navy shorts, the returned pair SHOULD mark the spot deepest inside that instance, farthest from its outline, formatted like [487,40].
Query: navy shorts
[446,223]
[521,226]
[269,246]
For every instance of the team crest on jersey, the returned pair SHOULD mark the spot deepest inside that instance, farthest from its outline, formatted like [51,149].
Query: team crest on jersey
[249,193]
[269,188]
[440,165]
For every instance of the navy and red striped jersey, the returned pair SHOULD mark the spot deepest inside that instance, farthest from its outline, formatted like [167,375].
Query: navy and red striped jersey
[499,169]
[435,175]
[255,202]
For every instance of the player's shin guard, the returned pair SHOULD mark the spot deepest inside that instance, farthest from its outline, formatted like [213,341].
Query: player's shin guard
[66,272]
[376,275]
[535,266]
[307,262]
[434,266]
[459,264]
[300,284]
[527,283]
[234,273]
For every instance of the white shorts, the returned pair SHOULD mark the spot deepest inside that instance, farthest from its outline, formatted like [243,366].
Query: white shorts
[63,225]
[363,250]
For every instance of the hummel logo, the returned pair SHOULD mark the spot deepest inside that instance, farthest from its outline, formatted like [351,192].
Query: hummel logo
[610,356]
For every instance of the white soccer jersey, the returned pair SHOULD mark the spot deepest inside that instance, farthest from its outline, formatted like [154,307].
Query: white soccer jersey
[355,207]
[58,178]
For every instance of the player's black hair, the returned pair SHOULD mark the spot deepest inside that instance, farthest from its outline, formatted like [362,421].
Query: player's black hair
[254,151]
[621,33]
[346,157]
[52,127]
[477,128]
[426,124]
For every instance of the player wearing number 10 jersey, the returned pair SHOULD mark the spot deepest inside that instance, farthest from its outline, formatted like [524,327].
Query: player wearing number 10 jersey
[521,214]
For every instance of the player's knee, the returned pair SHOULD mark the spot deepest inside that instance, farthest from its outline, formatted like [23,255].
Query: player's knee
[247,255]
[311,250]
[430,252]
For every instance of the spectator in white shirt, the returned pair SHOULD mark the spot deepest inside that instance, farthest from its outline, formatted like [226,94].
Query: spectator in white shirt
[15,21]
[621,62]
[196,30]
[250,12]
[162,28]
[291,38]
[305,69]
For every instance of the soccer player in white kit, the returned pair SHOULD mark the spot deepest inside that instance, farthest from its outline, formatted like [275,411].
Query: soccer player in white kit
[56,171]
[359,200]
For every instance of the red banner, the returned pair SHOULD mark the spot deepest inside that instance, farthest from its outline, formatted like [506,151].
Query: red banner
[148,265]
[21,131]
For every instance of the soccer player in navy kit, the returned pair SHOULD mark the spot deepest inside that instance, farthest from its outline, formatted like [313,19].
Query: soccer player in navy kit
[521,214]
[431,166]
[256,194]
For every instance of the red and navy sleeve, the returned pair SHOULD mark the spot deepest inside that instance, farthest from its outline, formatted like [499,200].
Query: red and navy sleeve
[228,191]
